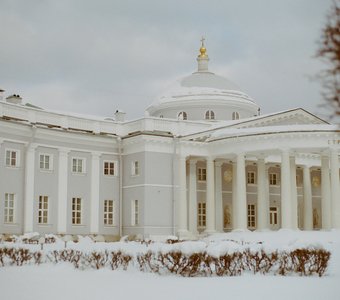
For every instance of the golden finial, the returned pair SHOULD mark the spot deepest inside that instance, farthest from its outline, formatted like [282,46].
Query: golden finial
[202,49]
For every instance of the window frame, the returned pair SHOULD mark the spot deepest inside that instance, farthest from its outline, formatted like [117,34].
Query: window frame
[272,179]
[108,169]
[251,216]
[50,163]
[83,167]
[201,214]
[135,168]
[209,115]
[182,115]
[109,215]
[202,174]
[252,178]
[17,158]
[42,211]
[235,115]
[7,209]
[76,219]
[135,212]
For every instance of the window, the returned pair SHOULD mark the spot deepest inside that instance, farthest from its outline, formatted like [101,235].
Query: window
[201,214]
[12,158]
[9,208]
[109,211]
[76,211]
[161,116]
[273,179]
[135,168]
[251,216]
[134,213]
[109,168]
[273,215]
[43,210]
[209,115]
[235,115]
[202,174]
[78,165]
[45,162]
[251,177]
[182,116]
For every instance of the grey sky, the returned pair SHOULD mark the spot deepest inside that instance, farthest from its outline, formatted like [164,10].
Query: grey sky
[94,57]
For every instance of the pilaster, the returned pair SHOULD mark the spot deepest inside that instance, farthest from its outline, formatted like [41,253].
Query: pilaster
[218,196]
[286,205]
[307,200]
[210,197]
[262,196]
[182,199]
[95,176]
[241,194]
[62,190]
[325,193]
[192,196]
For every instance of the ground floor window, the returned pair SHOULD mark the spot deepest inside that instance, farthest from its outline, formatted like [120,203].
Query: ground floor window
[201,214]
[251,216]
[76,211]
[9,208]
[273,215]
[134,213]
[43,210]
[109,212]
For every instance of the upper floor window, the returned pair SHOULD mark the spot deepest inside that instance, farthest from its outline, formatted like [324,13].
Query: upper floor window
[209,115]
[43,210]
[235,115]
[12,158]
[251,177]
[202,174]
[45,162]
[182,116]
[273,179]
[109,168]
[9,208]
[76,211]
[78,165]
[135,168]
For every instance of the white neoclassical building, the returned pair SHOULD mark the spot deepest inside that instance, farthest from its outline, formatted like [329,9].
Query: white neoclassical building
[202,160]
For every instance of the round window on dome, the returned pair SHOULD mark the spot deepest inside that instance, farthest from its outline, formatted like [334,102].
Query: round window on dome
[182,115]
[209,115]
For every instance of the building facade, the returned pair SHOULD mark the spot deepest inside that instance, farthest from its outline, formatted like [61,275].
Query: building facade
[202,160]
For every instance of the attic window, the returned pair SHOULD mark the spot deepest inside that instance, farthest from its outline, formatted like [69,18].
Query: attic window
[182,116]
[235,115]
[209,115]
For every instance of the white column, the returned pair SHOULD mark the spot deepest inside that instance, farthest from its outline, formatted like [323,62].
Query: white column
[325,194]
[307,200]
[182,199]
[95,175]
[262,196]
[234,196]
[192,197]
[218,196]
[293,190]
[29,189]
[62,191]
[210,197]
[241,200]
[286,205]
[335,188]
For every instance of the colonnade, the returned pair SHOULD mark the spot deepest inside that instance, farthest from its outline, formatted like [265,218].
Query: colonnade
[330,193]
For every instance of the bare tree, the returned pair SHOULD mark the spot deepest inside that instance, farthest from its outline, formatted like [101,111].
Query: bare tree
[329,51]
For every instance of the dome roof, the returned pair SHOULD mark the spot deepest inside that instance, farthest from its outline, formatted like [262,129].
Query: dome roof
[202,88]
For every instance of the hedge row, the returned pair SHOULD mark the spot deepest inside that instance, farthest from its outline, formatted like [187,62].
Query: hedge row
[305,262]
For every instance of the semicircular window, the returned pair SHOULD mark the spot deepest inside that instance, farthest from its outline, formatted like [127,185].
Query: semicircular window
[182,115]
[235,115]
[209,115]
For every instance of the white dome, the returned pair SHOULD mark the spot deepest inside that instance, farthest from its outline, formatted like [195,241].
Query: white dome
[200,92]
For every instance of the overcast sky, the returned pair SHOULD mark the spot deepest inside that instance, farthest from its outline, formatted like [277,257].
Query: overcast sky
[94,57]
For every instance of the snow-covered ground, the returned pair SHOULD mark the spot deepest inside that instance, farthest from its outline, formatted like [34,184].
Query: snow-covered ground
[62,281]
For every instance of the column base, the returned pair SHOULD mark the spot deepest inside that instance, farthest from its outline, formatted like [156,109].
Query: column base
[209,231]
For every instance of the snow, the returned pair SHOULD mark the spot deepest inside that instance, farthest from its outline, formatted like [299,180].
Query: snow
[62,281]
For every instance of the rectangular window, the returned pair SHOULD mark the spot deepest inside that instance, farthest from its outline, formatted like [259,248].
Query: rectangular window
[251,216]
[109,168]
[251,177]
[76,211]
[202,174]
[9,208]
[45,162]
[109,211]
[78,165]
[43,210]
[12,158]
[135,168]
[273,179]
[135,213]
[273,215]
[201,214]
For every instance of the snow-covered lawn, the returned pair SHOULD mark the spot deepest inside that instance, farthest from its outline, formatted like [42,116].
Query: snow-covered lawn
[62,281]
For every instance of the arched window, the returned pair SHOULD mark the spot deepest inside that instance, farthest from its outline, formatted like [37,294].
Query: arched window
[209,115]
[235,115]
[182,116]
[161,116]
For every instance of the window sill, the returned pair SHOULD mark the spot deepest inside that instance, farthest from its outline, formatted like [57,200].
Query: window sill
[46,170]
[13,167]
[134,175]
[78,225]
[44,225]
[78,173]
[11,224]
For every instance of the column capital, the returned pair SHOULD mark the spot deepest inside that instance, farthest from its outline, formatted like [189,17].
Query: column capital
[95,155]
[219,163]
[64,151]
[193,161]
